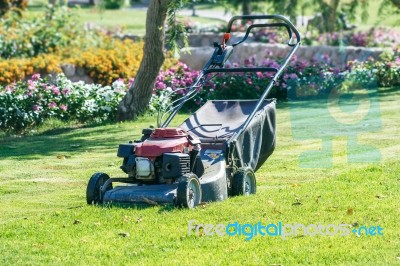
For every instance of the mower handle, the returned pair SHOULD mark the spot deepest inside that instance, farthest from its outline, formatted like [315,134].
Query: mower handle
[223,52]
[286,23]
[266,25]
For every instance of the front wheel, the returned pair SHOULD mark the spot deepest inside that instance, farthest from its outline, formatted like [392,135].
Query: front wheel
[188,192]
[93,193]
[244,182]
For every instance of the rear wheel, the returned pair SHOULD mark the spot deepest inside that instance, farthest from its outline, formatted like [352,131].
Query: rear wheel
[188,192]
[244,182]
[93,193]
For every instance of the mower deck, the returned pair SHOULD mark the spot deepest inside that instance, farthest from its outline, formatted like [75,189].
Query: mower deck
[213,185]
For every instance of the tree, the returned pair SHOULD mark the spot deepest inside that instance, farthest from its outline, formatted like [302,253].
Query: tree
[396,3]
[12,5]
[328,13]
[333,13]
[137,98]
[389,7]
[286,7]
[246,6]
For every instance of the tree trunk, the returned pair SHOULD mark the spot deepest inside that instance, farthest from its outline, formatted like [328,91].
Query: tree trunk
[193,6]
[138,97]
[329,14]
[246,7]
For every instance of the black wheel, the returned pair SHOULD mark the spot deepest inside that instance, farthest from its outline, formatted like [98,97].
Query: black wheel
[244,182]
[97,180]
[189,192]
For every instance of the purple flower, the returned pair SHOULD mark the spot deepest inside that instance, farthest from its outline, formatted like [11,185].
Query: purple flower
[270,63]
[161,85]
[66,91]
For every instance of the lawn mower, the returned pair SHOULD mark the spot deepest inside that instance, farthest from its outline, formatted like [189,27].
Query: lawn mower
[215,152]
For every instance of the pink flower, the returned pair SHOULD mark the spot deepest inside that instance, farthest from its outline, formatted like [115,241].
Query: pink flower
[63,107]
[35,77]
[36,108]
[55,90]
[131,82]
[10,88]
[52,105]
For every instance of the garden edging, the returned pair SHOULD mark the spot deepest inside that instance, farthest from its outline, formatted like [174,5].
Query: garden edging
[196,57]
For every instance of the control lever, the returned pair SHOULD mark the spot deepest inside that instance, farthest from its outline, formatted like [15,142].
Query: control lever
[222,55]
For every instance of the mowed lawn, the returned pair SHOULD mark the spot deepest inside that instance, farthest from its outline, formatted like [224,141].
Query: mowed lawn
[44,217]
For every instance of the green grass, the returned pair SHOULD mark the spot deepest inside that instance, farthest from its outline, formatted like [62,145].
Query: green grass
[132,20]
[43,178]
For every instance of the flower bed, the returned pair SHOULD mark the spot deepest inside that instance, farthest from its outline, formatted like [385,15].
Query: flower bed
[304,78]
[375,37]
[27,104]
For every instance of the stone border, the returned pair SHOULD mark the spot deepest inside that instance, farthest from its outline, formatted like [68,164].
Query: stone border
[338,56]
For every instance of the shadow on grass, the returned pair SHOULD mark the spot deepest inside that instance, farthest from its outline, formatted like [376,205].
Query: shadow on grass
[386,90]
[66,140]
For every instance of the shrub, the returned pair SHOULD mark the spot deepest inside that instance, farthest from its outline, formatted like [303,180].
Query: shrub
[384,73]
[27,104]
[21,68]
[105,65]
[301,79]
[15,5]
[171,83]
[119,59]
[56,30]
[113,4]
[375,37]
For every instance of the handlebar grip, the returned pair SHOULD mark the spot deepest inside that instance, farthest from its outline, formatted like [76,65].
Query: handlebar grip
[277,17]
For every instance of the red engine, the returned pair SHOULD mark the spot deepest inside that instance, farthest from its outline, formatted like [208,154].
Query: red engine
[165,140]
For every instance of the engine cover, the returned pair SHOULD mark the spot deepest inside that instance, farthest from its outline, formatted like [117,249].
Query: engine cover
[164,140]
[175,165]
